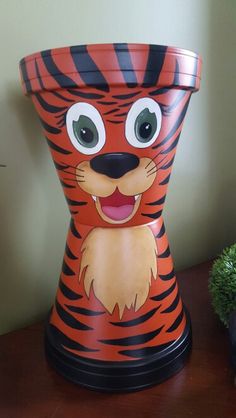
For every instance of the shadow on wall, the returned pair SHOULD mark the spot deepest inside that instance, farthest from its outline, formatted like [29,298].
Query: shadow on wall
[222,126]
[28,220]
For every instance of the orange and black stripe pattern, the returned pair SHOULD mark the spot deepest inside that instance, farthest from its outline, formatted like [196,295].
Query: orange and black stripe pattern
[80,325]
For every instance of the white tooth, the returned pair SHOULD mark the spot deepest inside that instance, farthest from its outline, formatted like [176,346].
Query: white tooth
[136,196]
[94,198]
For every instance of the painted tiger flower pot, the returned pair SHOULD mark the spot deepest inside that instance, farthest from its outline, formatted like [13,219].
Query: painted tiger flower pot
[112,115]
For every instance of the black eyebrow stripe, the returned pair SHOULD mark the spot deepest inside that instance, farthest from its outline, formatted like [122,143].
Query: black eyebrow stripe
[125,63]
[126,104]
[115,121]
[126,96]
[111,111]
[106,103]
[85,95]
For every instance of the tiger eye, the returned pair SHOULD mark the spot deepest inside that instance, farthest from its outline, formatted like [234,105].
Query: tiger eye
[145,125]
[85,131]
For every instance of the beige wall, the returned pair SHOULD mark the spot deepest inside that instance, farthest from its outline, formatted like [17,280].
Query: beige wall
[200,209]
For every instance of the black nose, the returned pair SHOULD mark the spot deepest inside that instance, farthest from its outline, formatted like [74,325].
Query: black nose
[114,165]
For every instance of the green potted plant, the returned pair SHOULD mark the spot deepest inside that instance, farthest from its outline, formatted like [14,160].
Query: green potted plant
[222,287]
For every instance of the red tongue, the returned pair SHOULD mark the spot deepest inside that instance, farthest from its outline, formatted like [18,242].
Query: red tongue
[117,199]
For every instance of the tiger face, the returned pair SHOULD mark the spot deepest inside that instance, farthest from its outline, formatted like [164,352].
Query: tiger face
[118,152]
[117,180]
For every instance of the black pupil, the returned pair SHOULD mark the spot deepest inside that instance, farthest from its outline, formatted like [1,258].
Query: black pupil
[145,130]
[86,135]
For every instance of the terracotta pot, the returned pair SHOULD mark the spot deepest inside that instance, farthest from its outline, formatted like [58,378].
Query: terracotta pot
[112,116]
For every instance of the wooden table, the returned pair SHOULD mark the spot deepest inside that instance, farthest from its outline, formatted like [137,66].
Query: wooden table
[29,388]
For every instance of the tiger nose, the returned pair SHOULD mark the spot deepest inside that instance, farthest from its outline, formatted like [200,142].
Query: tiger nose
[114,165]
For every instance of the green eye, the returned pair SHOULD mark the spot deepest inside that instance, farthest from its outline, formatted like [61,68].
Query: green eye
[85,131]
[145,125]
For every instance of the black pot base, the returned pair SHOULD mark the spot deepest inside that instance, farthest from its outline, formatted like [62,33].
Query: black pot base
[124,376]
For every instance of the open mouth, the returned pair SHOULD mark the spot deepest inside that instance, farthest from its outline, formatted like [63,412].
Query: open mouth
[117,206]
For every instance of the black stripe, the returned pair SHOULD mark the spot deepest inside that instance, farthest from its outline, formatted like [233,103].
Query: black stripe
[170,108]
[173,305]
[67,270]
[62,79]
[154,65]
[111,111]
[60,166]
[159,91]
[25,75]
[67,186]
[38,74]
[177,322]
[161,232]
[157,202]
[87,69]
[75,202]
[165,254]
[85,95]
[68,293]
[167,165]
[74,230]
[84,311]
[49,128]
[136,321]
[126,104]
[164,295]
[115,121]
[120,114]
[125,63]
[134,340]
[48,107]
[168,276]
[175,127]
[106,103]
[62,341]
[69,253]
[165,181]
[146,351]
[69,319]
[171,147]
[57,148]
[176,81]
[56,94]
[126,96]
[154,215]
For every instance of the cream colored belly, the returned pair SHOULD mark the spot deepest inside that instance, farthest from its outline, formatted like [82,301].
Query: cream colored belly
[119,264]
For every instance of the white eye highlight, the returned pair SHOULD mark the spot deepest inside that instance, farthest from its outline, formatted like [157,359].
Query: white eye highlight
[85,128]
[143,123]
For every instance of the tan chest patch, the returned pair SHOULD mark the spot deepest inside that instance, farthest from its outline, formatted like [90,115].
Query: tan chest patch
[119,264]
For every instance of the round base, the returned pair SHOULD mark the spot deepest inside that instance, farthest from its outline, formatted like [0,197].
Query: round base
[124,376]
